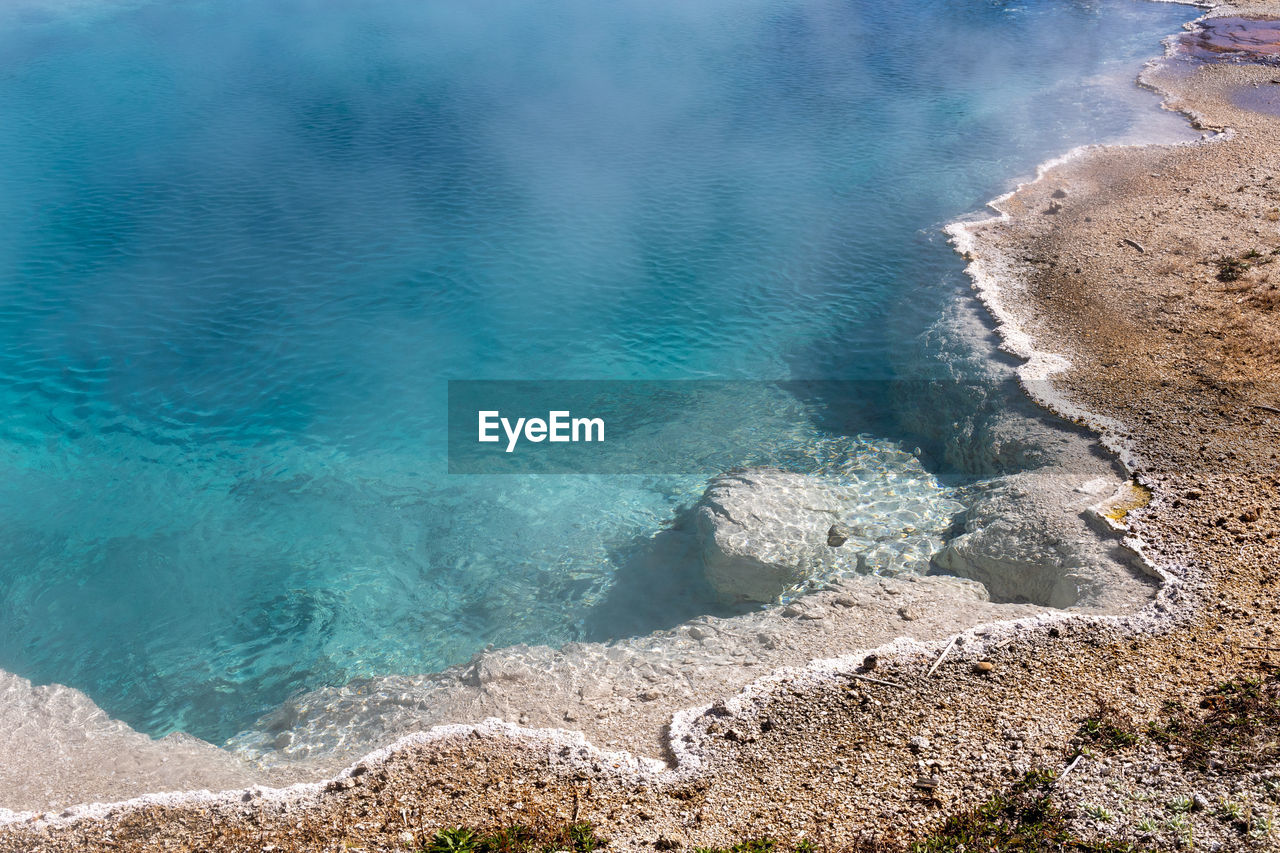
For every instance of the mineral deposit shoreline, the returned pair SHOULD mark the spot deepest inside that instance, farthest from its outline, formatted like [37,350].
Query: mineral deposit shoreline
[1137,283]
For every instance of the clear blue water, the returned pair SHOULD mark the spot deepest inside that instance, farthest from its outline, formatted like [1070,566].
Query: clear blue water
[244,244]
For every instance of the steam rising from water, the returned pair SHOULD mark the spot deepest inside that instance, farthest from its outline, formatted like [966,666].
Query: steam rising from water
[245,244]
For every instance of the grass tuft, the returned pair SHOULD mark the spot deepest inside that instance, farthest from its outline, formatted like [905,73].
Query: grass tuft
[1107,730]
[1231,268]
[574,838]
[1241,728]
[1024,818]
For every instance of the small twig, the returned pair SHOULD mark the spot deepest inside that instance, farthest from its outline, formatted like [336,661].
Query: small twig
[1070,767]
[1262,648]
[877,681]
[1271,409]
[941,656]
[1135,244]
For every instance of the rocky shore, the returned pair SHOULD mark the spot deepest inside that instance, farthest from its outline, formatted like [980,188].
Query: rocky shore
[1143,287]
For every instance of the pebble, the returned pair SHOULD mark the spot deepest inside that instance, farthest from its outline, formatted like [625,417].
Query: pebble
[927,783]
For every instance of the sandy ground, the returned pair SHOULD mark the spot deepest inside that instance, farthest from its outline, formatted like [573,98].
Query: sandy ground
[1175,366]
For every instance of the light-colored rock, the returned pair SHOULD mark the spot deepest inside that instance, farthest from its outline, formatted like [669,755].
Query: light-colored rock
[1027,538]
[764,531]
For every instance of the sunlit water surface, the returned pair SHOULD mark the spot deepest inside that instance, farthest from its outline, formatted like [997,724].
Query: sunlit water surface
[244,244]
